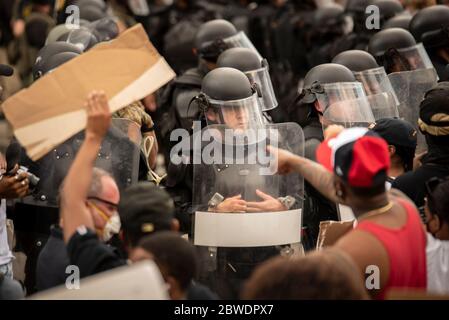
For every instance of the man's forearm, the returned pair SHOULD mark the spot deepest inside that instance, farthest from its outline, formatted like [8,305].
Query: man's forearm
[320,178]
[76,187]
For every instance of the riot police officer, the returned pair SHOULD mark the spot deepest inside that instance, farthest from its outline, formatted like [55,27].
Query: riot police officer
[256,70]
[329,27]
[410,70]
[396,49]
[375,81]
[179,177]
[233,183]
[312,109]
[429,26]
[211,40]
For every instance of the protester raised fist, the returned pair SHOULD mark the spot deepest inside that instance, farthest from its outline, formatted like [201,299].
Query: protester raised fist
[98,115]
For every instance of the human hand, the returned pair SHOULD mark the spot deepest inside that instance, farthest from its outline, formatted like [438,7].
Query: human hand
[268,204]
[283,160]
[98,115]
[231,205]
[15,185]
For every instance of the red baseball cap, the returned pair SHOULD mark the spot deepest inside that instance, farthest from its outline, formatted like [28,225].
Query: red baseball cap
[357,155]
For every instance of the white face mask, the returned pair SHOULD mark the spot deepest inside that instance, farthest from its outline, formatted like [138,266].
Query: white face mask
[112,227]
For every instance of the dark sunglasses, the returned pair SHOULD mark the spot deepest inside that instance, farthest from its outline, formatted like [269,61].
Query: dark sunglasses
[113,205]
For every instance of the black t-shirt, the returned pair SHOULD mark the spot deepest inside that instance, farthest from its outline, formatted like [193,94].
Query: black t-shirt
[91,256]
[52,261]
[413,183]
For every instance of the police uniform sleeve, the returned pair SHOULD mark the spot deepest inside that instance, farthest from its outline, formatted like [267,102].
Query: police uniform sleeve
[90,255]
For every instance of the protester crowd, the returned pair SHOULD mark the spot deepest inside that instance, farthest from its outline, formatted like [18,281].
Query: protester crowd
[352,104]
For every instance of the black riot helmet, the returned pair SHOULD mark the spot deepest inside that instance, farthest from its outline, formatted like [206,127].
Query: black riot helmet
[209,38]
[104,29]
[41,66]
[227,92]
[328,73]
[247,61]
[397,51]
[242,59]
[56,60]
[330,18]
[394,38]
[226,84]
[84,38]
[356,60]
[400,21]
[324,85]
[388,8]
[431,26]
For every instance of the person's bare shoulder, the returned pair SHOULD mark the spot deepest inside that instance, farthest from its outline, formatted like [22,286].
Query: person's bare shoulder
[364,248]
[398,194]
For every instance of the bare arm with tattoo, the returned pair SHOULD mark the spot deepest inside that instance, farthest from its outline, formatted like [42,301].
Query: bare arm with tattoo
[74,211]
[317,175]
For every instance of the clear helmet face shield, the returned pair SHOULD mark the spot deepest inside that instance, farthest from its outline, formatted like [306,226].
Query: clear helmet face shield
[344,104]
[380,92]
[262,78]
[406,59]
[236,114]
[241,40]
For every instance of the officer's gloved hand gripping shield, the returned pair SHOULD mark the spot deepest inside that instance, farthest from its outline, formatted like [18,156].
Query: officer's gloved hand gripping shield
[342,103]
[119,155]
[380,93]
[240,200]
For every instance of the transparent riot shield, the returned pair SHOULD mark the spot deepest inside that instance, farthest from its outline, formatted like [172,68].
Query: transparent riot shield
[129,128]
[118,155]
[262,78]
[241,40]
[245,212]
[410,87]
[344,104]
[380,93]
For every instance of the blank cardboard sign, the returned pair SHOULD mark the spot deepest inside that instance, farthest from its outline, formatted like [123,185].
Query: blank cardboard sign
[140,281]
[51,110]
